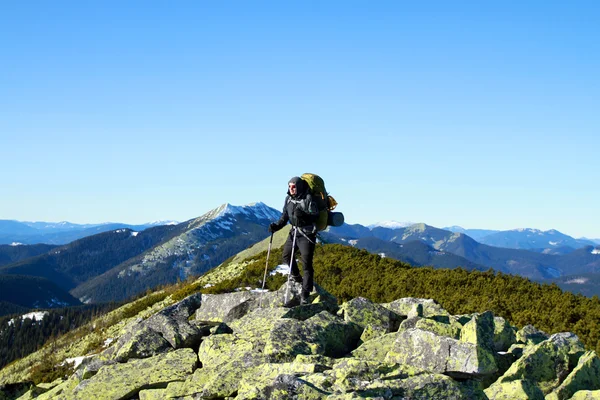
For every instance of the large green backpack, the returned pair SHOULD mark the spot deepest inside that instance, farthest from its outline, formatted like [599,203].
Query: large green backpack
[325,203]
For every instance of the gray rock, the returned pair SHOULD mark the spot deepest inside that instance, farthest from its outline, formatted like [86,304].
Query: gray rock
[504,334]
[162,332]
[403,307]
[323,334]
[121,381]
[585,376]
[440,354]
[548,363]
[364,312]
[530,335]
[142,342]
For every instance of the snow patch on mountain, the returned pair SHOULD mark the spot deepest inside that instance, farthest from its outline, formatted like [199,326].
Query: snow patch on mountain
[391,224]
[159,223]
[596,251]
[259,210]
[16,244]
[577,280]
[37,315]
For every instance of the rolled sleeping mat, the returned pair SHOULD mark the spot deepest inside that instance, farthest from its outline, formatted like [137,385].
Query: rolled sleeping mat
[335,219]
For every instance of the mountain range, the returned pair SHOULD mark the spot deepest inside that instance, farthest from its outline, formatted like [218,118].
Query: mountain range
[115,265]
[16,232]
[121,263]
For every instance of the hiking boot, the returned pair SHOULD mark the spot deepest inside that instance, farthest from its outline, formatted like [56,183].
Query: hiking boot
[293,302]
[304,300]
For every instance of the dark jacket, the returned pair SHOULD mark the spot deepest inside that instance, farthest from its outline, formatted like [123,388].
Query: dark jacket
[300,210]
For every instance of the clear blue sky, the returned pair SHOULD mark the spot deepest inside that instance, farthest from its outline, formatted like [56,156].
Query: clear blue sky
[479,114]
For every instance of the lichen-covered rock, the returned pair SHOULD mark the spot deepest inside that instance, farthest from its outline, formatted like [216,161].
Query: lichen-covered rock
[256,325]
[586,395]
[439,354]
[225,307]
[140,343]
[321,361]
[160,333]
[216,350]
[322,334]
[354,375]
[209,382]
[529,335]
[121,381]
[409,323]
[90,366]
[229,307]
[173,325]
[35,391]
[439,328]
[425,387]
[514,390]
[64,391]
[404,306]
[548,363]
[371,332]
[153,394]
[479,330]
[377,348]
[282,386]
[585,376]
[504,334]
[364,312]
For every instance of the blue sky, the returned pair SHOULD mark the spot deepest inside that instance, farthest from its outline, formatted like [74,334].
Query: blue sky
[479,114]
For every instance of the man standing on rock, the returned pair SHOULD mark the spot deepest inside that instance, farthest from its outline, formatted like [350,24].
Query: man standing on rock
[301,211]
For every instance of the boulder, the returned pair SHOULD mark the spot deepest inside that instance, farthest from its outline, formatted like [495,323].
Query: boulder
[209,382]
[504,334]
[217,350]
[439,328]
[377,348]
[424,387]
[229,307]
[548,363]
[152,394]
[403,307]
[440,354]
[529,335]
[514,390]
[124,380]
[282,386]
[225,307]
[355,375]
[141,342]
[372,332]
[162,332]
[322,334]
[364,312]
[585,376]
[586,395]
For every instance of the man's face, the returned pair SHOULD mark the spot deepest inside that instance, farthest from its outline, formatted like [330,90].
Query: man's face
[292,188]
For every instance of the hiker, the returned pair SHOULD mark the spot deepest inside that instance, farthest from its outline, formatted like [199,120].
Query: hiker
[301,211]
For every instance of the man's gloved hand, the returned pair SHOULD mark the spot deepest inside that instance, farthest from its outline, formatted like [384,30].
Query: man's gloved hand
[273,227]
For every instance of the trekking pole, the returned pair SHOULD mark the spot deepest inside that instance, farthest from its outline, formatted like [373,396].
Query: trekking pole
[266,266]
[287,290]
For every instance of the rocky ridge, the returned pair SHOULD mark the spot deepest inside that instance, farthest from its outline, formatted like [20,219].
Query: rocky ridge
[247,345]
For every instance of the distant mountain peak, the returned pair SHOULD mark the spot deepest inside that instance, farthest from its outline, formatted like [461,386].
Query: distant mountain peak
[164,222]
[391,224]
[258,209]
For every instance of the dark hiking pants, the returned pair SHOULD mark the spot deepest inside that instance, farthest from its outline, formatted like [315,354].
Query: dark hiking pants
[307,251]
